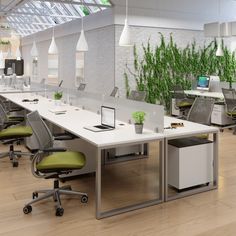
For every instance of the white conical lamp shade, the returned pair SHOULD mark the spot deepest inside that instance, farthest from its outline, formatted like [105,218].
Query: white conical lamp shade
[82,45]
[34,50]
[2,62]
[219,51]
[53,47]
[125,39]
[18,54]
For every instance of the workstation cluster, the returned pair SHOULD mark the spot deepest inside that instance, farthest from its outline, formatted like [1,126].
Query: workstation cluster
[222,113]
[99,130]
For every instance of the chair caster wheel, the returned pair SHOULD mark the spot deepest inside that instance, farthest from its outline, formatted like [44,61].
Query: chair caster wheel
[59,211]
[84,199]
[15,164]
[35,195]
[27,209]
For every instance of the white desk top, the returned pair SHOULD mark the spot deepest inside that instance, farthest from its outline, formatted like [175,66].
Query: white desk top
[218,95]
[190,128]
[4,90]
[75,119]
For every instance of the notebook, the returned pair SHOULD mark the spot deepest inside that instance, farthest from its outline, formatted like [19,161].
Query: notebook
[107,120]
[58,110]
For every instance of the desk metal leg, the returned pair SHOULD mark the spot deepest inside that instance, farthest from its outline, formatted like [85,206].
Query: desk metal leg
[216,157]
[98,183]
[116,211]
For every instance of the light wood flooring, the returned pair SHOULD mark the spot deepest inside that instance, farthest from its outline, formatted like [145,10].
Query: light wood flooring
[209,213]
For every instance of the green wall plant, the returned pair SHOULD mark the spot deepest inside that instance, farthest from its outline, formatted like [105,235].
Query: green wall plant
[167,65]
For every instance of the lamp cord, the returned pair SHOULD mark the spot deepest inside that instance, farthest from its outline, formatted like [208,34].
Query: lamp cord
[82,17]
[126,9]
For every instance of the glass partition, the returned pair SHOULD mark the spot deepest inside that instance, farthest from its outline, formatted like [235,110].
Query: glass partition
[53,72]
[79,69]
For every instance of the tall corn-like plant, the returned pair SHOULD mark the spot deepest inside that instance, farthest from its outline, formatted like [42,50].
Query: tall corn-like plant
[167,65]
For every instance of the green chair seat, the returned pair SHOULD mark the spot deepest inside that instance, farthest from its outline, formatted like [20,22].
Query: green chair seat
[203,136]
[231,113]
[16,132]
[184,104]
[62,161]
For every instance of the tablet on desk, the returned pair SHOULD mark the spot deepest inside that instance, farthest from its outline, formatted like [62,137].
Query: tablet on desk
[107,120]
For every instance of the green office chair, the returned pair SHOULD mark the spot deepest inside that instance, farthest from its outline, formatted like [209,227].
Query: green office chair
[10,119]
[11,133]
[182,102]
[230,101]
[51,162]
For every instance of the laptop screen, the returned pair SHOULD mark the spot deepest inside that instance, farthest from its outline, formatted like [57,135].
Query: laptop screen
[108,116]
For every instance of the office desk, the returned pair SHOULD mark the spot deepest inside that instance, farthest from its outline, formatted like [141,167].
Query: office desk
[216,95]
[75,119]
[190,129]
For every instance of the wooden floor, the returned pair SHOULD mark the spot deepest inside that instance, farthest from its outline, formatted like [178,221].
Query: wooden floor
[209,213]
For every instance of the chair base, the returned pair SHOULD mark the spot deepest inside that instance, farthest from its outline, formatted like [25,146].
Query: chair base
[14,155]
[55,194]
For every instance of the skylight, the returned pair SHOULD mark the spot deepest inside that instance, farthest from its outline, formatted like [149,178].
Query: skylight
[34,16]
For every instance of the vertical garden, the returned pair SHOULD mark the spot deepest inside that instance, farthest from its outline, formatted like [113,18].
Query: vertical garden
[166,65]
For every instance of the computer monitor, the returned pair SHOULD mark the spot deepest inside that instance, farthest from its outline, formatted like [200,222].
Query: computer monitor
[203,83]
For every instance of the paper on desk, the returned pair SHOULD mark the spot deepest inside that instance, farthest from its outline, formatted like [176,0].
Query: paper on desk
[57,110]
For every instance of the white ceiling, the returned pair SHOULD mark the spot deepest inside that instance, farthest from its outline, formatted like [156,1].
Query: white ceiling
[209,9]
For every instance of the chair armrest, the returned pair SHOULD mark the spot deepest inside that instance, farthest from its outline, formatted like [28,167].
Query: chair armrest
[55,149]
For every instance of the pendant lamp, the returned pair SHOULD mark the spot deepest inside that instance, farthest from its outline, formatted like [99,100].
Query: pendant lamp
[219,51]
[34,50]
[2,62]
[125,39]
[53,47]
[82,45]
[18,54]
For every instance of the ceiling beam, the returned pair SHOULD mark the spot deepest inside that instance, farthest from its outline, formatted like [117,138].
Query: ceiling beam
[77,3]
[37,14]
[26,22]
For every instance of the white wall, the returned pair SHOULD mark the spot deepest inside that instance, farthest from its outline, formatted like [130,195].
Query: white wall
[99,60]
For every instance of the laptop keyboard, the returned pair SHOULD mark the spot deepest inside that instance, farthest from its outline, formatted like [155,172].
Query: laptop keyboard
[101,127]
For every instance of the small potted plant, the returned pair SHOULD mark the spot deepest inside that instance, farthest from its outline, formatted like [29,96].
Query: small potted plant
[57,97]
[139,117]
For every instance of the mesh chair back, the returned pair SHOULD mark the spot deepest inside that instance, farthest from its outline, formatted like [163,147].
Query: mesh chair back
[201,110]
[3,115]
[42,133]
[178,92]
[114,92]
[137,95]
[230,99]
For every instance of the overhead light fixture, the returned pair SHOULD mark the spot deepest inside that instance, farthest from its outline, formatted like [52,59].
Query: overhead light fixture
[2,62]
[18,54]
[34,50]
[53,47]
[219,51]
[82,45]
[125,39]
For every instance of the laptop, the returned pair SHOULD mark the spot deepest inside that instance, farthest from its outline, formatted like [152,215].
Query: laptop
[107,120]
